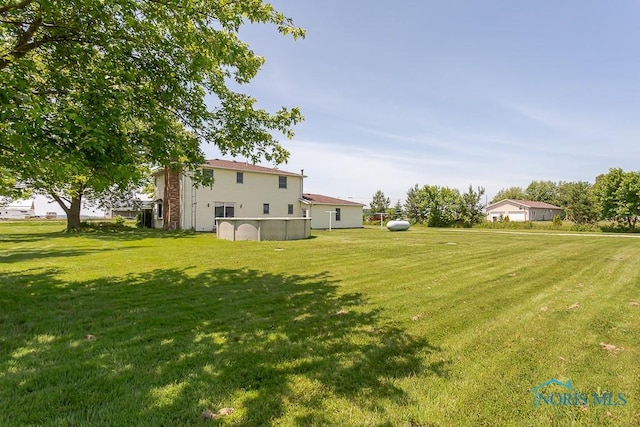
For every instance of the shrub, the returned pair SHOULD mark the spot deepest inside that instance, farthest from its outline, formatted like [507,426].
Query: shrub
[585,227]
[118,220]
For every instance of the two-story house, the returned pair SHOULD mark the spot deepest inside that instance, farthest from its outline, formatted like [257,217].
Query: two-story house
[243,190]
[239,190]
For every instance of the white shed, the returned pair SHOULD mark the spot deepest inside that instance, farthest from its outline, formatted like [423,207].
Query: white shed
[322,209]
[20,209]
[522,210]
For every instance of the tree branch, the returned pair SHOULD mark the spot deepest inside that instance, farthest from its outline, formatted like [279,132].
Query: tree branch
[58,199]
[20,5]
[26,36]
[21,50]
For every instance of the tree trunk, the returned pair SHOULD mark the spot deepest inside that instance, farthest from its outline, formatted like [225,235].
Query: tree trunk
[72,211]
[73,214]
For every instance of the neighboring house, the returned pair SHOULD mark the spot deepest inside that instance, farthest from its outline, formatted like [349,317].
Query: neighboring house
[132,209]
[522,210]
[239,189]
[128,211]
[341,213]
[20,209]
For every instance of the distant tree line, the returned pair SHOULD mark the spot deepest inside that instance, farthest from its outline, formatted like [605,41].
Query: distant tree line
[615,197]
[434,206]
[575,198]
[443,206]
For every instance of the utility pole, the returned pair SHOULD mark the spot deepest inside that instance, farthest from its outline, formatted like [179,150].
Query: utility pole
[330,213]
[382,215]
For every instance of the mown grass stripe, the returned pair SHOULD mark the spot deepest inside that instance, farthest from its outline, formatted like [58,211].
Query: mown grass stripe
[352,327]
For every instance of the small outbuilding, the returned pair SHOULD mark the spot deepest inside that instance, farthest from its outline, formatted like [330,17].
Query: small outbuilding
[133,208]
[328,212]
[20,209]
[522,210]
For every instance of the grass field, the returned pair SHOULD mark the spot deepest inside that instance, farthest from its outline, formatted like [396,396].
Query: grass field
[429,327]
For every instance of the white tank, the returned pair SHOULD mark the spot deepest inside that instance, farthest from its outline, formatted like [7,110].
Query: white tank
[398,225]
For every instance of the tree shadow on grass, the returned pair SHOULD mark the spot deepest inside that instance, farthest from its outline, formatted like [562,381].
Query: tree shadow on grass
[130,234]
[160,348]
[20,255]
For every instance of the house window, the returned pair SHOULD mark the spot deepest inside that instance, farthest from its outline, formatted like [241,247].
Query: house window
[239,177]
[207,176]
[282,182]
[224,210]
[337,214]
[159,208]
[290,209]
[265,208]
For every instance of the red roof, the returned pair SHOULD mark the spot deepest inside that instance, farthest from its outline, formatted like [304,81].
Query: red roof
[319,199]
[247,167]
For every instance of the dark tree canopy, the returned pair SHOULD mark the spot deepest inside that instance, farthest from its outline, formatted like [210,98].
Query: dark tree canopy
[514,193]
[95,92]
[578,201]
[543,191]
[617,194]
[443,206]
[471,208]
[379,203]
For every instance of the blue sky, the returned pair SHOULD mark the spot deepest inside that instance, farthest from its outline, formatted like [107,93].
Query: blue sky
[452,93]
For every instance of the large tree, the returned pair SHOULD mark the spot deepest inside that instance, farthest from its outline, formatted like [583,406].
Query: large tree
[617,194]
[514,193]
[542,191]
[94,92]
[436,206]
[442,205]
[379,203]
[470,209]
[578,202]
[414,205]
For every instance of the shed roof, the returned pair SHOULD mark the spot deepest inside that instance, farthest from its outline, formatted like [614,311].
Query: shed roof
[21,204]
[319,199]
[526,203]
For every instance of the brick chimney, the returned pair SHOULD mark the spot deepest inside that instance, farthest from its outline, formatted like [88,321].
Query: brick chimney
[171,199]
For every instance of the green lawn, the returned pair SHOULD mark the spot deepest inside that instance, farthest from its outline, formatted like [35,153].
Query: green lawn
[427,327]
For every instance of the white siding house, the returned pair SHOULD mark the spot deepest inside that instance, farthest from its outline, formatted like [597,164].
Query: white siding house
[20,209]
[522,210]
[239,190]
[322,209]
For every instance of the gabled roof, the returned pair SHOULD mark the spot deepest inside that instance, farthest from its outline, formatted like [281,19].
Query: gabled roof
[319,199]
[526,203]
[241,167]
[21,204]
[246,167]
